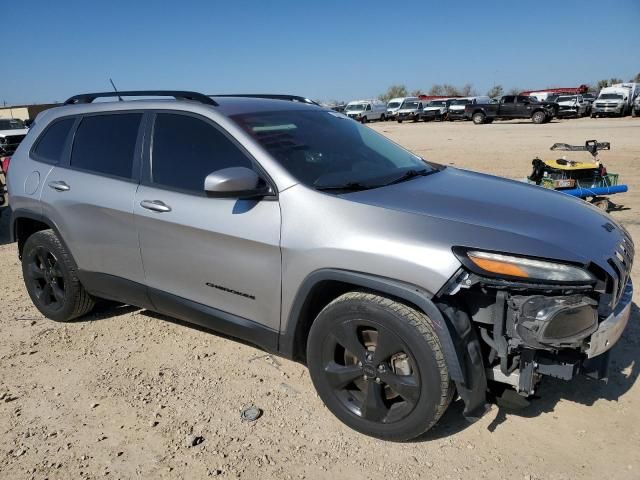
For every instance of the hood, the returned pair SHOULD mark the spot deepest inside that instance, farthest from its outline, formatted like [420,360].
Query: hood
[408,110]
[431,109]
[492,213]
[16,131]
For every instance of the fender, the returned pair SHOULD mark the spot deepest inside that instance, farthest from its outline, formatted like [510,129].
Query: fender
[410,293]
[30,214]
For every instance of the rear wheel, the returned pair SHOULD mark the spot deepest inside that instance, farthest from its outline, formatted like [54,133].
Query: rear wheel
[538,117]
[50,276]
[478,118]
[378,366]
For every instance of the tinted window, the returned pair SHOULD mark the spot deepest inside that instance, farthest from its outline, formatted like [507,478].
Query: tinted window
[187,149]
[51,144]
[106,143]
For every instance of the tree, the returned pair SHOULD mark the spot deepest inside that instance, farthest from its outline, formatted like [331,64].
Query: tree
[417,93]
[450,90]
[436,90]
[392,92]
[607,83]
[467,90]
[495,91]
[636,79]
[514,91]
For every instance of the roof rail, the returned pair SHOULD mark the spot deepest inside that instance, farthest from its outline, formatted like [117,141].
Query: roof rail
[291,98]
[177,94]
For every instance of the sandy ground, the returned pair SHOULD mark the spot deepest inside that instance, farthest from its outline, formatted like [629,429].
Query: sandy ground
[126,393]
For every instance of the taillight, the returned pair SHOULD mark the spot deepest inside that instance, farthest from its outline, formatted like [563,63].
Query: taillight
[4,163]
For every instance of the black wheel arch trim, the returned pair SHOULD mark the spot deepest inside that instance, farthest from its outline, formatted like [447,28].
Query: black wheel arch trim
[421,298]
[20,213]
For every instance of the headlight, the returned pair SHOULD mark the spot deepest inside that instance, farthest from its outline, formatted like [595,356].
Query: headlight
[497,264]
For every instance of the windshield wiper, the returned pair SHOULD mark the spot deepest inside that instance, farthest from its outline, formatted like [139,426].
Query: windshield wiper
[349,187]
[409,174]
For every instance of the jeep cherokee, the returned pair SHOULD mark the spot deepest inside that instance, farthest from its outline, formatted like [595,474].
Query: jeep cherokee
[397,281]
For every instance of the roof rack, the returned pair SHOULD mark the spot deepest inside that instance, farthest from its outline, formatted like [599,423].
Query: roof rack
[291,98]
[177,94]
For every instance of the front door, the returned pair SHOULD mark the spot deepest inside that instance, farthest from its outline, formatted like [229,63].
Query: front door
[222,253]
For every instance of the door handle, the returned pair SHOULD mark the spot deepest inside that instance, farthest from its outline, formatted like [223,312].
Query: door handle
[59,186]
[155,206]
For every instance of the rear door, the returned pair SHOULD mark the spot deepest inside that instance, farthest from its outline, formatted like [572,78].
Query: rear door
[89,195]
[222,253]
[508,106]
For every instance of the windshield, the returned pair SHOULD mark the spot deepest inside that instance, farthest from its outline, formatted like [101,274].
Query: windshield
[462,101]
[393,104]
[437,103]
[325,149]
[356,106]
[410,105]
[566,99]
[11,124]
[610,96]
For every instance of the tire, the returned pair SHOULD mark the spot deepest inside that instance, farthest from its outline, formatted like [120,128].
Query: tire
[478,118]
[383,118]
[538,117]
[355,384]
[364,119]
[50,275]
[399,121]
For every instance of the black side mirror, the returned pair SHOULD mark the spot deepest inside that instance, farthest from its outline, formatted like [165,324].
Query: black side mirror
[235,182]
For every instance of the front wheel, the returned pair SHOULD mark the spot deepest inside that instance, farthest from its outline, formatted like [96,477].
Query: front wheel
[378,366]
[538,117]
[364,119]
[478,118]
[50,276]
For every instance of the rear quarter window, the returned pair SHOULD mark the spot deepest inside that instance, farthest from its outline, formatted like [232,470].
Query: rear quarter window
[106,144]
[50,146]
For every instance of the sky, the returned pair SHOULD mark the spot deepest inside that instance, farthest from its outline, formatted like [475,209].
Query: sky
[327,50]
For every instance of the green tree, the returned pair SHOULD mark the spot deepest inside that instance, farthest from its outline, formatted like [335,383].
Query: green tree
[495,91]
[392,92]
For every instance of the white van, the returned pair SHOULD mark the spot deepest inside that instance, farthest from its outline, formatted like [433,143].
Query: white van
[615,100]
[457,106]
[366,110]
[394,105]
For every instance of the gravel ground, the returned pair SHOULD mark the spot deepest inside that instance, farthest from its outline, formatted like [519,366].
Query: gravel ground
[127,393]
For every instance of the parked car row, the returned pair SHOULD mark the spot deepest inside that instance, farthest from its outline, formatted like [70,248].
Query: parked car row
[539,106]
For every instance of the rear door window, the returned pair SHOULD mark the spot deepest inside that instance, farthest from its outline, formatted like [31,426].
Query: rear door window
[50,146]
[105,144]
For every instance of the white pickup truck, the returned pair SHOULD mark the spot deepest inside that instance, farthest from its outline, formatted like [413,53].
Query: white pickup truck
[366,110]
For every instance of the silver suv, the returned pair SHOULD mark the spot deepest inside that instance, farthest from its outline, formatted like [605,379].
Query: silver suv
[273,220]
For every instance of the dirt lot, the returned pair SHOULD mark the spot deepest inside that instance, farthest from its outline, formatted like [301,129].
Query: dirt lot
[126,393]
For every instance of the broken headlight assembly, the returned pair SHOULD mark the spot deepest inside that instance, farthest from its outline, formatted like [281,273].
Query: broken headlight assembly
[523,269]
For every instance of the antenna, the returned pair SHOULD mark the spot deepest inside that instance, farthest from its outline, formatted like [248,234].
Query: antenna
[115,90]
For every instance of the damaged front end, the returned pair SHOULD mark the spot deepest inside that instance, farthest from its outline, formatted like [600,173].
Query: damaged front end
[528,328]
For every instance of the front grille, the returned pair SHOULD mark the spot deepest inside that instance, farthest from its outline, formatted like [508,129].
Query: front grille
[600,105]
[621,262]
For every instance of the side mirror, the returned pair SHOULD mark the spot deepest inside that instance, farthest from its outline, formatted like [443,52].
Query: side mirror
[234,182]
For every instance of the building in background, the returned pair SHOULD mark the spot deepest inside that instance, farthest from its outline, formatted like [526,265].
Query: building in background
[24,112]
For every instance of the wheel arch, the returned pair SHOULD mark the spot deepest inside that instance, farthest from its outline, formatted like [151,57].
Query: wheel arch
[25,223]
[323,286]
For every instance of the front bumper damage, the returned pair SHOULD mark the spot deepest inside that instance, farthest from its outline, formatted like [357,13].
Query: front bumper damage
[528,332]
